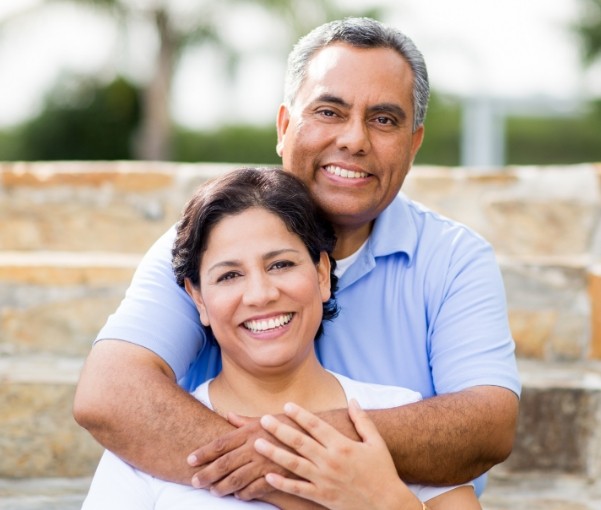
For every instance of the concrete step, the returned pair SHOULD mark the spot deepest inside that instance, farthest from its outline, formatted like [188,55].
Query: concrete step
[38,435]
[558,427]
[540,490]
[43,493]
[80,206]
[557,431]
[56,302]
[535,491]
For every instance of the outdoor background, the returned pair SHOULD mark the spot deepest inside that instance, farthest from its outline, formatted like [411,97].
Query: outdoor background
[513,82]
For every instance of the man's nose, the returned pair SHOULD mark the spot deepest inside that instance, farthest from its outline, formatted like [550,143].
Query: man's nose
[354,136]
[260,290]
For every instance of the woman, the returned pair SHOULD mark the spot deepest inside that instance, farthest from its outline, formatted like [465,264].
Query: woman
[252,250]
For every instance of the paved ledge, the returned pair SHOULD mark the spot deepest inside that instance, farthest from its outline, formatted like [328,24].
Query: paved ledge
[526,491]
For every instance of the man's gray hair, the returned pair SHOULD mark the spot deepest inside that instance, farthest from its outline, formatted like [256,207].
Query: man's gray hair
[360,33]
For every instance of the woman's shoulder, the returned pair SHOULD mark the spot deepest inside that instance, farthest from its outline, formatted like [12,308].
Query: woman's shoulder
[376,396]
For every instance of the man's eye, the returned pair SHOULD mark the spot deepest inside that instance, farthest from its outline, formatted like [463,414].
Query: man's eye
[386,121]
[327,113]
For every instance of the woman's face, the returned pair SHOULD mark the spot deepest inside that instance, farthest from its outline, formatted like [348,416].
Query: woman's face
[260,292]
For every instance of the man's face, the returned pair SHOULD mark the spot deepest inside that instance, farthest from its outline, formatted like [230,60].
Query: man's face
[348,135]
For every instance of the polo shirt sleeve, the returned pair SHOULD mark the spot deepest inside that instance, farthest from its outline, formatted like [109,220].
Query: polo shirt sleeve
[158,314]
[470,340]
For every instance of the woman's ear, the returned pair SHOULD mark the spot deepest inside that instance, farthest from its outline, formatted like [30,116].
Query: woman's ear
[323,276]
[194,292]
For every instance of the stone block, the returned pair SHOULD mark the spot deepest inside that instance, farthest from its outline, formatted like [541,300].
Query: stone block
[117,206]
[558,427]
[594,288]
[57,302]
[522,211]
[548,306]
[38,435]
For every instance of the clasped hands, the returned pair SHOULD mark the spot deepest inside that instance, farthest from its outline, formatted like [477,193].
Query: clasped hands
[300,454]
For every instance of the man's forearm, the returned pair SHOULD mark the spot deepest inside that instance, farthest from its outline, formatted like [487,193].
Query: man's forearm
[128,400]
[444,440]
[452,438]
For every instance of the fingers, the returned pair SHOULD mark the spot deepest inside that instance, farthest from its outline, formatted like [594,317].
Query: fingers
[290,461]
[216,449]
[221,468]
[318,429]
[295,487]
[237,420]
[363,424]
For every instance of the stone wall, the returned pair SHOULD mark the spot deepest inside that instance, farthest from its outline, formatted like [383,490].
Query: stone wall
[544,223]
[72,234]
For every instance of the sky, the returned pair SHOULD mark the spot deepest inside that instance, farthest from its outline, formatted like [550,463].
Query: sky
[515,50]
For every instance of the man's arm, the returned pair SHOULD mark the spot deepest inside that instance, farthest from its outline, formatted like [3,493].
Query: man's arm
[129,401]
[452,438]
[444,440]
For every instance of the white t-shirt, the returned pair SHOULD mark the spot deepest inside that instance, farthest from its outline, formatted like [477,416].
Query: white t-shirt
[118,486]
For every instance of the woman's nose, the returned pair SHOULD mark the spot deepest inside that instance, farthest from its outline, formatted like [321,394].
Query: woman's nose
[260,290]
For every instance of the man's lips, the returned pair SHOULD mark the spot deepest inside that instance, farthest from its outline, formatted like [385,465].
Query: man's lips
[344,172]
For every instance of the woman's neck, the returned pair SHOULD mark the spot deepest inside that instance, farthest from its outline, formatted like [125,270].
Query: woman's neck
[250,394]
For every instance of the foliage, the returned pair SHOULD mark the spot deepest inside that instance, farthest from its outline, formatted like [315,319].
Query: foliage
[554,141]
[88,122]
[231,144]
[588,29]
[441,144]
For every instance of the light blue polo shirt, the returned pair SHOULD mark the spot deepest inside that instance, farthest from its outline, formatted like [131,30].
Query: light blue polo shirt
[423,307]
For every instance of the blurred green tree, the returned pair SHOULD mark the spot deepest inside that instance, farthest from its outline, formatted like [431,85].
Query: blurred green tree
[91,122]
[177,26]
[588,28]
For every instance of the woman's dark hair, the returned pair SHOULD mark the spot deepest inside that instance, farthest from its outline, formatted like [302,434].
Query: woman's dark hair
[274,190]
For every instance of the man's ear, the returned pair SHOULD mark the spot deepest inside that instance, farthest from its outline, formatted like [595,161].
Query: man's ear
[194,293]
[323,276]
[282,121]
[416,141]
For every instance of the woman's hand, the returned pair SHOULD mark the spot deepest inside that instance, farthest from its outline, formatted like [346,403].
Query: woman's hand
[336,472]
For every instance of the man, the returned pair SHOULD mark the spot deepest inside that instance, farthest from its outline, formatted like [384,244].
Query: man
[422,299]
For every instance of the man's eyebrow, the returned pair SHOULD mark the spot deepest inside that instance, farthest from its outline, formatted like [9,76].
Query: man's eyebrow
[330,98]
[391,108]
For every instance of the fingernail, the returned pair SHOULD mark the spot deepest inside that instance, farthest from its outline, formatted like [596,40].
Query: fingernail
[265,419]
[192,460]
[289,407]
[196,483]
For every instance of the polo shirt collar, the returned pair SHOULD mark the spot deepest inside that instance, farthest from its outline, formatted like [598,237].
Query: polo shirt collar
[393,232]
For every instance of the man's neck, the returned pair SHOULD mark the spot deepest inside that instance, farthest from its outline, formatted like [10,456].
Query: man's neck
[350,239]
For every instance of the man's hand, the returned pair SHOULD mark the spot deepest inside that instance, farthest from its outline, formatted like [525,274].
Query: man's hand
[230,464]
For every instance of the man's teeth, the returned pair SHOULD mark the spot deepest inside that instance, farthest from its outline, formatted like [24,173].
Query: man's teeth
[266,324]
[343,172]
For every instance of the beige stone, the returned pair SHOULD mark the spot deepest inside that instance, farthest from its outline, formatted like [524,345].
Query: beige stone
[558,427]
[594,288]
[39,436]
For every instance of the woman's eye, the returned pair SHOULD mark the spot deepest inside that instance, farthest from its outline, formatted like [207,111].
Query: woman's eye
[281,264]
[230,275]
